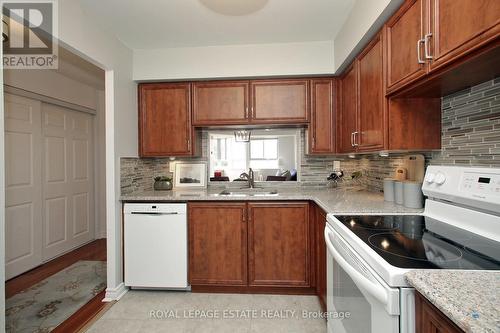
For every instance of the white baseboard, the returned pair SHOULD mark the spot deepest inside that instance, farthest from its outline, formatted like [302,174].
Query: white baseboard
[114,294]
[100,234]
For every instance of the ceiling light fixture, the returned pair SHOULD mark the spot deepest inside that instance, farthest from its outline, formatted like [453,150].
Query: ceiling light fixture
[242,136]
[5,31]
[234,7]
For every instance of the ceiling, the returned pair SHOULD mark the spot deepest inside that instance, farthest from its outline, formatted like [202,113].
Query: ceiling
[154,24]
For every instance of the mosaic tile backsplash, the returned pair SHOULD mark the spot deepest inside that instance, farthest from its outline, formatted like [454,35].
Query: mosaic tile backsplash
[470,136]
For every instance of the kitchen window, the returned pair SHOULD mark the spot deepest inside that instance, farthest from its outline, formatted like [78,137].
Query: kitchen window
[269,153]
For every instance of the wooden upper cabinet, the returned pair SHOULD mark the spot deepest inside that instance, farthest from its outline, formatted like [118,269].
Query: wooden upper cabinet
[347,113]
[279,101]
[165,120]
[278,244]
[405,44]
[371,100]
[221,102]
[217,243]
[460,26]
[322,127]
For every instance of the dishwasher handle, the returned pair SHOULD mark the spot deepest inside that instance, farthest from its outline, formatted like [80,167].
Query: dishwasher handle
[154,213]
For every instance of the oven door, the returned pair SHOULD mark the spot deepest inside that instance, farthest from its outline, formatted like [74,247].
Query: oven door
[357,299]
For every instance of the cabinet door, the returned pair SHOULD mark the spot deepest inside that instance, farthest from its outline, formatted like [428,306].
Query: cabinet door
[321,257]
[165,120]
[348,111]
[429,319]
[217,243]
[279,101]
[278,244]
[461,26]
[405,33]
[322,126]
[371,99]
[220,103]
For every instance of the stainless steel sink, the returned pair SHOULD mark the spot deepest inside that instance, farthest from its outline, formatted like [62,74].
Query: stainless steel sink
[249,192]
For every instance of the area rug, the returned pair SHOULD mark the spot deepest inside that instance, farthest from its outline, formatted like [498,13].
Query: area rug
[48,303]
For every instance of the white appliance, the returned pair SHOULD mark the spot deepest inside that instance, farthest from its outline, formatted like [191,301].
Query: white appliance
[368,255]
[155,245]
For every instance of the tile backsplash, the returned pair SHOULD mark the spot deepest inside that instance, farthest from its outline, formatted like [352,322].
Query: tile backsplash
[470,136]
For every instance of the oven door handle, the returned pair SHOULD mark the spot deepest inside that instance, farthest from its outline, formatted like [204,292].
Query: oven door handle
[376,290]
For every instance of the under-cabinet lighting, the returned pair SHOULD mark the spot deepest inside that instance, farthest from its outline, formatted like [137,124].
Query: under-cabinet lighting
[383,154]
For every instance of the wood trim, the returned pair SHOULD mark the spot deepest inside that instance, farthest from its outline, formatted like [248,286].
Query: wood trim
[254,290]
[84,315]
[95,250]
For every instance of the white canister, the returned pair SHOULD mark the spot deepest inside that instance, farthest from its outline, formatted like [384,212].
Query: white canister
[398,192]
[412,193]
[389,189]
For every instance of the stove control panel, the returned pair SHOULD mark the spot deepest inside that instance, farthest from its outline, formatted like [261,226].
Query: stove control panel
[475,187]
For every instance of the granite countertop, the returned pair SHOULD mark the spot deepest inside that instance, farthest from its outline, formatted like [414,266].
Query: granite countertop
[339,200]
[470,299]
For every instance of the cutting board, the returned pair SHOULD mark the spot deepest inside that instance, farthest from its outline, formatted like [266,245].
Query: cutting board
[415,167]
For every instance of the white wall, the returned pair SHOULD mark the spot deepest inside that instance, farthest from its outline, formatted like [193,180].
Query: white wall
[52,84]
[100,149]
[366,18]
[2,204]
[77,30]
[234,61]
[81,36]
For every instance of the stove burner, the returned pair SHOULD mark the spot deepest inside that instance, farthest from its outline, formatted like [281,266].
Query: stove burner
[428,248]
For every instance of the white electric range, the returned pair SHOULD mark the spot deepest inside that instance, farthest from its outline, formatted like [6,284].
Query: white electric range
[368,255]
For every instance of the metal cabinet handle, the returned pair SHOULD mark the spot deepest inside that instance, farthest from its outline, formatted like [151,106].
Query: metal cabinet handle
[245,113]
[355,143]
[252,113]
[188,143]
[352,139]
[426,46]
[419,59]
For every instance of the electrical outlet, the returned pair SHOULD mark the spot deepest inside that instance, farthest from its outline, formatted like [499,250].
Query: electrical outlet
[171,166]
[336,165]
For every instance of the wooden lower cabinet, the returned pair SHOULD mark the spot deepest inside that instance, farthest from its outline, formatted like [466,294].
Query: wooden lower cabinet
[278,244]
[217,244]
[261,247]
[320,222]
[430,320]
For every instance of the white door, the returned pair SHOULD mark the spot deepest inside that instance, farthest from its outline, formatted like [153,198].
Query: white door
[67,179]
[23,191]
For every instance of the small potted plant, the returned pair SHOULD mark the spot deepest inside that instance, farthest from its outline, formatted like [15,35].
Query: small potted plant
[162,183]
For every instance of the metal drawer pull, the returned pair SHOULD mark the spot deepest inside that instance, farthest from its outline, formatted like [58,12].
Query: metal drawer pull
[419,59]
[355,143]
[426,46]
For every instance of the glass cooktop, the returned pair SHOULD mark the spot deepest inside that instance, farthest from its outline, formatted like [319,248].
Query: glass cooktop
[413,241]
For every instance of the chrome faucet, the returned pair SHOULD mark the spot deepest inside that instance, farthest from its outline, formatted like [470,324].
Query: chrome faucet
[249,177]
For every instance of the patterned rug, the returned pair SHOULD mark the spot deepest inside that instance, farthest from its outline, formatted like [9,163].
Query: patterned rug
[48,303]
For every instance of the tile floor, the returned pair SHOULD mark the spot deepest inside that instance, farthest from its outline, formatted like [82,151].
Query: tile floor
[146,311]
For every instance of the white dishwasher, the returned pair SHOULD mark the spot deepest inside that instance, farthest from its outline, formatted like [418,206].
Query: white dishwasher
[155,245]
